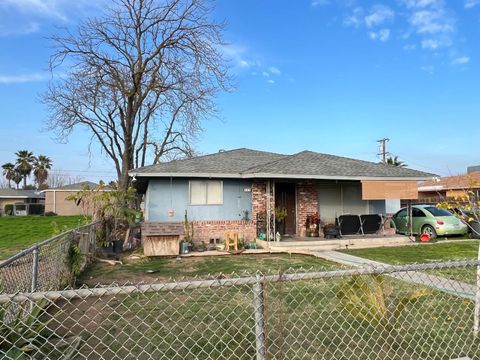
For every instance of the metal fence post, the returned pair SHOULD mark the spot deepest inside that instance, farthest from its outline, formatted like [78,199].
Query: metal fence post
[259,309]
[476,316]
[35,269]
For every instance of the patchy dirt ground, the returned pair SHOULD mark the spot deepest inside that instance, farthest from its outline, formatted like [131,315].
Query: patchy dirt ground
[151,269]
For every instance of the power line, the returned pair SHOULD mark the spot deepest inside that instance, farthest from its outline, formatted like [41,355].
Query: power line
[86,171]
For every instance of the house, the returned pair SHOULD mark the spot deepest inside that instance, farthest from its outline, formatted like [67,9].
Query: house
[449,187]
[25,201]
[56,199]
[233,190]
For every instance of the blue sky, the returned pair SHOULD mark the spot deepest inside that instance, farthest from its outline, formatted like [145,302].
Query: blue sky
[330,76]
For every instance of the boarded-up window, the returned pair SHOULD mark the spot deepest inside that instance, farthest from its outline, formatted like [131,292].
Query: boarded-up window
[381,190]
[206,192]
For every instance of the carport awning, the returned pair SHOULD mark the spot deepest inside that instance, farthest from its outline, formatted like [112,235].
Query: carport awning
[382,190]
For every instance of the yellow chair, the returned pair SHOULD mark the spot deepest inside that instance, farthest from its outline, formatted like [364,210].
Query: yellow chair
[231,242]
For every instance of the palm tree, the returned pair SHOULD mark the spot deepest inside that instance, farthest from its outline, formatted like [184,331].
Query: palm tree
[393,160]
[25,160]
[40,169]
[17,177]
[8,172]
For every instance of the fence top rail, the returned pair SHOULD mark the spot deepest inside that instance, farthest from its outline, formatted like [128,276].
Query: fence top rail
[38,245]
[221,282]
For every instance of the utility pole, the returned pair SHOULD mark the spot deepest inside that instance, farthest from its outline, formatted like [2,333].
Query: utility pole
[383,149]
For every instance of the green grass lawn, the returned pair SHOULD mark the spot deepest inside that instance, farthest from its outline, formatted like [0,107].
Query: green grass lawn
[20,232]
[304,319]
[420,253]
[423,253]
[152,268]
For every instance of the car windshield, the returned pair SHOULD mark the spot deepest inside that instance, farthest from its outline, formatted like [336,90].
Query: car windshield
[438,212]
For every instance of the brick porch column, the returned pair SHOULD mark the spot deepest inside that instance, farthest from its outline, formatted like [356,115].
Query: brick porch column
[307,203]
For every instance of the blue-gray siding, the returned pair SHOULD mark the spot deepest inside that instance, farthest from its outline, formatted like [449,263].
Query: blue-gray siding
[163,195]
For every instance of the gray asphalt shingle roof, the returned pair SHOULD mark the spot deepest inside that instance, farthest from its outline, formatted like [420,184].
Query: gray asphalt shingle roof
[77,186]
[225,162]
[20,194]
[248,163]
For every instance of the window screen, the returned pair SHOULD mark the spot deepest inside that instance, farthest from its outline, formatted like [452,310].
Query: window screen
[207,192]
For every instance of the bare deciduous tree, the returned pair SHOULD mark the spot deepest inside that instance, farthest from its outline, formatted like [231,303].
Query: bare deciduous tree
[58,178]
[141,79]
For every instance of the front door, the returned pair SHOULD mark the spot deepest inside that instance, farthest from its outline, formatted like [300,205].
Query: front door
[285,207]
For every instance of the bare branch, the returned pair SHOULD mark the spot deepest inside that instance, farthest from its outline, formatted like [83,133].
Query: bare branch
[147,72]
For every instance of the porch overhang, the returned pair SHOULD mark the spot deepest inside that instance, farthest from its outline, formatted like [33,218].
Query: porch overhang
[273,176]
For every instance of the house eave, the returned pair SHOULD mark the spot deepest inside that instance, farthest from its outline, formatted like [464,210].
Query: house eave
[276,176]
[20,197]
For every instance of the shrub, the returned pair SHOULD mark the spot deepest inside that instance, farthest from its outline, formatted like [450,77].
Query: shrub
[50,213]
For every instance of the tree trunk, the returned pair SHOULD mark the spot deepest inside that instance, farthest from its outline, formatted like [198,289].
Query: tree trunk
[24,182]
[127,165]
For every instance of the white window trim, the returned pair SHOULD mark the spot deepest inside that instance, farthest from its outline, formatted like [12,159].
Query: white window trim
[204,181]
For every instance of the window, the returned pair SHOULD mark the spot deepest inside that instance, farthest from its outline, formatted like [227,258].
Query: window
[418,213]
[402,213]
[437,212]
[207,192]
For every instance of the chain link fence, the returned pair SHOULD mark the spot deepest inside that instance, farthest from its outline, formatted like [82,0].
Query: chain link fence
[424,311]
[48,264]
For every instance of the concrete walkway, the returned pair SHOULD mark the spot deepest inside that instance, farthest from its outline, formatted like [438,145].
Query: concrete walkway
[439,283]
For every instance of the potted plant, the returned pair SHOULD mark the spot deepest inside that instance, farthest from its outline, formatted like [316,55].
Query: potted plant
[312,224]
[280,215]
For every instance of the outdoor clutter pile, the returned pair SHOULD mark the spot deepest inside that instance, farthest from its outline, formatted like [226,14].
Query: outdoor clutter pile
[359,224]
[344,225]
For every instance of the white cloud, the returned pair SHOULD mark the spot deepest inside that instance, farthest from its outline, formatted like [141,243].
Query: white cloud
[378,16]
[238,56]
[270,81]
[316,3]
[432,22]
[274,70]
[420,4]
[49,8]
[22,78]
[19,28]
[463,60]
[430,44]
[471,3]
[266,73]
[244,63]
[382,35]
[355,19]
[428,69]
[39,7]
[27,16]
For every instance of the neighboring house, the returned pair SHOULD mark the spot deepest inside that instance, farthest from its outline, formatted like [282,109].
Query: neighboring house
[449,187]
[56,198]
[231,190]
[22,197]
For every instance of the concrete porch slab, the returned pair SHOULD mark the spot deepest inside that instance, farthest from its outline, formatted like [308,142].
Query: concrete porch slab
[346,242]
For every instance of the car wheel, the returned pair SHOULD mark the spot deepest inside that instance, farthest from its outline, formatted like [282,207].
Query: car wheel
[429,230]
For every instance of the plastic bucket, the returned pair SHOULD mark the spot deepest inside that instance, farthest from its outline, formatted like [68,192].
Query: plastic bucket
[424,238]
